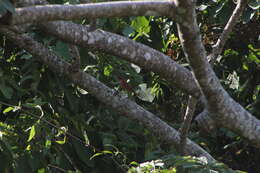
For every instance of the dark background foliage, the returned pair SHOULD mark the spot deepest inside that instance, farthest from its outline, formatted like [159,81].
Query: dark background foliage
[47,124]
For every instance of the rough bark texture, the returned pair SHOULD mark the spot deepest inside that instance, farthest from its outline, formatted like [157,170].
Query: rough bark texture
[226,111]
[36,14]
[130,50]
[110,97]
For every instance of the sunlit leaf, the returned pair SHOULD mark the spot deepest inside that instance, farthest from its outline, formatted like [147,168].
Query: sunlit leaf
[108,70]
[47,143]
[96,155]
[141,25]
[32,133]
[8,109]
[61,141]
[42,170]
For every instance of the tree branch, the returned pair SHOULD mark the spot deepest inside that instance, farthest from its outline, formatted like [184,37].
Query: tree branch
[186,124]
[250,125]
[225,110]
[104,94]
[218,47]
[151,59]
[137,53]
[41,13]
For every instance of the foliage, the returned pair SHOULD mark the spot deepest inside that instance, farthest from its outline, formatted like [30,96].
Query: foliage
[174,164]
[47,124]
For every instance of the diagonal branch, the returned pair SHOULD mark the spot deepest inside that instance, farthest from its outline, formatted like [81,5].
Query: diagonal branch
[104,94]
[186,124]
[218,47]
[151,59]
[137,53]
[41,13]
[226,111]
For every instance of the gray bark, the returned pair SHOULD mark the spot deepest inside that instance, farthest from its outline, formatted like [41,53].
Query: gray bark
[110,97]
[41,13]
[226,111]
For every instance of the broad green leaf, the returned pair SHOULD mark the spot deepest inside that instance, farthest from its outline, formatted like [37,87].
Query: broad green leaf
[32,133]
[141,25]
[8,110]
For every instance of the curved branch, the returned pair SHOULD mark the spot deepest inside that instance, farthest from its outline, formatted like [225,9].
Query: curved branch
[215,93]
[123,47]
[218,47]
[228,112]
[104,94]
[41,13]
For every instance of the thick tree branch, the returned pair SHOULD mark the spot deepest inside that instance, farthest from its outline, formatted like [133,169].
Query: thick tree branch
[226,111]
[123,47]
[218,47]
[104,94]
[204,120]
[151,59]
[250,123]
[41,13]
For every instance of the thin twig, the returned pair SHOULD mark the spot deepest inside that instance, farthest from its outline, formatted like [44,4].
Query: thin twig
[233,20]
[186,123]
[56,167]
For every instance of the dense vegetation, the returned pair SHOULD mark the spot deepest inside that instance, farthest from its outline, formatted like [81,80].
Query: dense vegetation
[48,123]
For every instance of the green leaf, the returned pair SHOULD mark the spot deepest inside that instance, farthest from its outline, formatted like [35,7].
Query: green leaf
[6,91]
[62,50]
[47,143]
[42,170]
[8,110]
[95,155]
[32,133]
[61,141]
[141,25]
[108,70]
